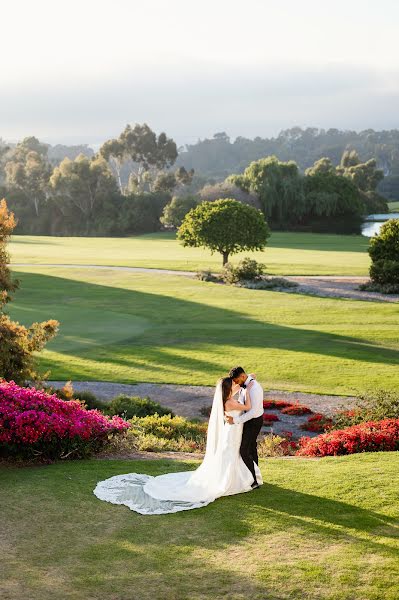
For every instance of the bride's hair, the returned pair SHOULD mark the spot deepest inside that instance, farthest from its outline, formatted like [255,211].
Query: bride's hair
[227,383]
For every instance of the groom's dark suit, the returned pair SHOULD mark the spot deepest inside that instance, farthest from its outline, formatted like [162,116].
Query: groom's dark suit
[252,420]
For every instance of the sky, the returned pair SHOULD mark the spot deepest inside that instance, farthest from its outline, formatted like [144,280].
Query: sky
[78,71]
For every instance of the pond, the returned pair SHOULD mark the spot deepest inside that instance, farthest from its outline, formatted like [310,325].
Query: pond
[372,223]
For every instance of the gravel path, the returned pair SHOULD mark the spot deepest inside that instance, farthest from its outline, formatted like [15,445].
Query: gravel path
[319,285]
[187,400]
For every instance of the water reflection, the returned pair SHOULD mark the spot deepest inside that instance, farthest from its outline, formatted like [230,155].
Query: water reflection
[372,224]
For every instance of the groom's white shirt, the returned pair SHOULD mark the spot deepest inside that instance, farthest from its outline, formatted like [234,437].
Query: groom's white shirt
[256,394]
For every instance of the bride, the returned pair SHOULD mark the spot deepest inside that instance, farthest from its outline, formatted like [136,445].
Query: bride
[222,472]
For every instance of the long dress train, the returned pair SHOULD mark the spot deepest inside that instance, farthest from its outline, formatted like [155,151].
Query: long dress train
[222,473]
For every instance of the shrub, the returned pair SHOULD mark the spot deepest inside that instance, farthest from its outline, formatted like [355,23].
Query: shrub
[270,418]
[176,210]
[132,406]
[372,406]
[205,411]
[296,409]
[270,283]
[206,276]
[384,253]
[88,399]
[278,404]
[385,272]
[373,436]
[317,423]
[157,433]
[34,424]
[276,445]
[246,270]
[386,288]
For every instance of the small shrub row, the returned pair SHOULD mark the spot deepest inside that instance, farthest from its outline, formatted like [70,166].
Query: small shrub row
[317,423]
[373,436]
[270,418]
[157,433]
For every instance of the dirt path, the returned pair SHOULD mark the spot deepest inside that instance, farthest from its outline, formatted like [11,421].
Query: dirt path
[187,400]
[320,285]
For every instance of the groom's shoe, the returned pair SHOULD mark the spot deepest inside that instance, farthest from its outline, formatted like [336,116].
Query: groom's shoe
[255,485]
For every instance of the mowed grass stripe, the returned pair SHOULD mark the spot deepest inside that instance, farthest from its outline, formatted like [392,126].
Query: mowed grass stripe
[128,327]
[287,253]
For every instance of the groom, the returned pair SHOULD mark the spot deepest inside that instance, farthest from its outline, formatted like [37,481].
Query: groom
[252,419]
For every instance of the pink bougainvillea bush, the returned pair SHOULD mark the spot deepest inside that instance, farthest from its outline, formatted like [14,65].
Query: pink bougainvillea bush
[36,424]
[373,436]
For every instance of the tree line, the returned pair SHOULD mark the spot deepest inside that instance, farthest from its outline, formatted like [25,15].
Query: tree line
[136,183]
[219,156]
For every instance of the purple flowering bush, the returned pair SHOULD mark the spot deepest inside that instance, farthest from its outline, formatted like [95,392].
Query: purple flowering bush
[34,424]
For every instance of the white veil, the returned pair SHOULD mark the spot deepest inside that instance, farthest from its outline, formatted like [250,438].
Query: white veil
[203,484]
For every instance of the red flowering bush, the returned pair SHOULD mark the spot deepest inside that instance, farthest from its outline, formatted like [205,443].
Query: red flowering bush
[270,417]
[277,404]
[36,424]
[373,436]
[317,423]
[296,409]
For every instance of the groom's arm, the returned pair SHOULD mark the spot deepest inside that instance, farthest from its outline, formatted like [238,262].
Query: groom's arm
[256,410]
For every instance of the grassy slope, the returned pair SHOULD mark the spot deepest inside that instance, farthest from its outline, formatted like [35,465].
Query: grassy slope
[126,327]
[393,206]
[317,530]
[287,253]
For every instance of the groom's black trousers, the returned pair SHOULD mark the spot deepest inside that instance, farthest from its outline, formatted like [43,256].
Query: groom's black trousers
[248,448]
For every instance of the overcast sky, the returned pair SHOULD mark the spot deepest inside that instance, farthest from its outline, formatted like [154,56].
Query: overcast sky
[79,70]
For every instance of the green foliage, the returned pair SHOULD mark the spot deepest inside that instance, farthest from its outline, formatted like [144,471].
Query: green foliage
[141,213]
[206,276]
[246,270]
[133,406]
[224,226]
[164,433]
[176,210]
[385,272]
[81,184]
[328,194]
[385,245]
[277,184]
[18,344]
[384,253]
[270,283]
[374,405]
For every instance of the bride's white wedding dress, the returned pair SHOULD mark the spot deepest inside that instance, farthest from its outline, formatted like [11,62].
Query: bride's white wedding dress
[222,473]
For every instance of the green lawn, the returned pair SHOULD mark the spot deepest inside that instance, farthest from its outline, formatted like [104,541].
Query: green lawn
[286,253]
[393,206]
[317,530]
[129,327]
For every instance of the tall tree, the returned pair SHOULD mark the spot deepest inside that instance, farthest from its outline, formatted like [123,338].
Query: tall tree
[82,183]
[114,152]
[27,169]
[278,186]
[146,150]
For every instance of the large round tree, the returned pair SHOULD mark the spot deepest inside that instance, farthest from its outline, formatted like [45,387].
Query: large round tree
[225,226]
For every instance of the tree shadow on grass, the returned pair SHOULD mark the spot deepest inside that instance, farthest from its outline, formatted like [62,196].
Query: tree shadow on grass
[174,330]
